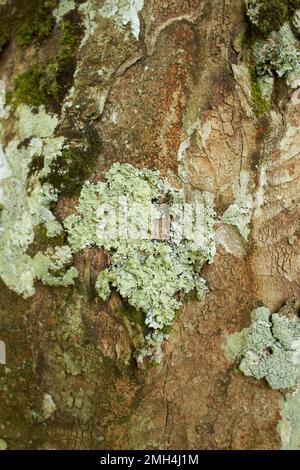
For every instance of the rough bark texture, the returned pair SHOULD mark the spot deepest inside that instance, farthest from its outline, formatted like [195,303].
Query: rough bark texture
[137,101]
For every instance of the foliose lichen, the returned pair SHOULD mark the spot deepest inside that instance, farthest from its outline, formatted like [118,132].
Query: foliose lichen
[269,349]
[149,273]
[124,12]
[278,54]
[26,204]
[64,7]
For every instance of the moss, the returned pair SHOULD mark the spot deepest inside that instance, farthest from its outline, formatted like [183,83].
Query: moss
[28,87]
[132,314]
[26,21]
[38,25]
[262,104]
[71,170]
[46,83]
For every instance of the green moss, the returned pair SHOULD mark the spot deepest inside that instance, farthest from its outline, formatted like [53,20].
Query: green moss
[29,87]
[262,104]
[38,25]
[47,83]
[26,21]
[71,170]
[132,314]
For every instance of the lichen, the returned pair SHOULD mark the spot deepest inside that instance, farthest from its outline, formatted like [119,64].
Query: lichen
[239,213]
[50,266]
[277,54]
[235,343]
[124,12]
[149,273]
[48,406]
[289,425]
[267,15]
[26,204]
[270,349]
[64,7]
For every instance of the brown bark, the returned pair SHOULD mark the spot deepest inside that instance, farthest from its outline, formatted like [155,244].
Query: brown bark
[64,343]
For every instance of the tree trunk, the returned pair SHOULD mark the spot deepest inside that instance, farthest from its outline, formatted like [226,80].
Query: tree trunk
[163,85]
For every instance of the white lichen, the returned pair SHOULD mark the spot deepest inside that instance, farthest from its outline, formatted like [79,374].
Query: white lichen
[48,406]
[64,7]
[269,349]
[253,8]
[239,213]
[148,272]
[124,12]
[50,266]
[26,201]
[88,10]
[278,54]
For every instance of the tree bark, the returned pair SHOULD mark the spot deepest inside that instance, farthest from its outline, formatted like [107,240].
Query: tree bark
[147,92]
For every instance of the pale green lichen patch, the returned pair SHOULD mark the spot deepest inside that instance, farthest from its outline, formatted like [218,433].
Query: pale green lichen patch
[289,425]
[239,213]
[235,343]
[150,273]
[26,204]
[269,348]
[64,7]
[50,266]
[238,216]
[278,54]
